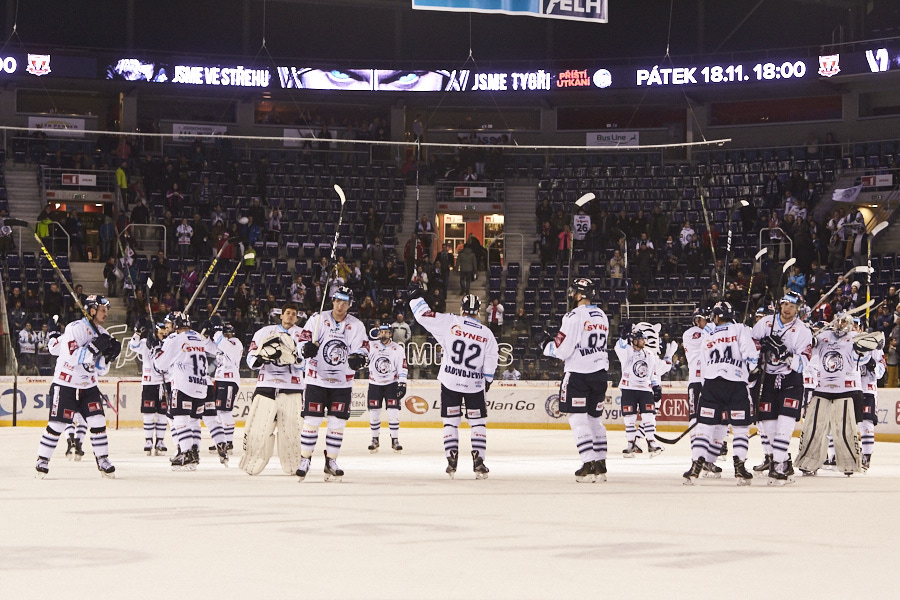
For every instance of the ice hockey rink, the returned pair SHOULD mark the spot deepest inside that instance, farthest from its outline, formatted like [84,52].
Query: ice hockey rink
[398,527]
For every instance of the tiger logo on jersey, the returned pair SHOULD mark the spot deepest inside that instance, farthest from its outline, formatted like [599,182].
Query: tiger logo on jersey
[335,352]
[641,369]
[833,362]
[382,365]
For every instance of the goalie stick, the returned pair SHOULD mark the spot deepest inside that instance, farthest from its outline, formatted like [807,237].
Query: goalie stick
[66,283]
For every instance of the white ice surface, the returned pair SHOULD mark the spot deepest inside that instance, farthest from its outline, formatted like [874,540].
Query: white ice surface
[398,527]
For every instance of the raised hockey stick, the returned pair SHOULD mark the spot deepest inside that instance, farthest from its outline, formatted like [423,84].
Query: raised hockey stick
[149,307]
[580,204]
[66,283]
[757,258]
[859,269]
[228,285]
[728,246]
[337,232]
[187,309]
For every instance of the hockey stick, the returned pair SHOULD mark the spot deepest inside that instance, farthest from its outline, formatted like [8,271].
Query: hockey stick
[228,285]
[337,232]
[728,246]
[875,231]
[62,278]
[187,309]
[757,258]
[580,204]
[149,307]
[859,269]
[677,439]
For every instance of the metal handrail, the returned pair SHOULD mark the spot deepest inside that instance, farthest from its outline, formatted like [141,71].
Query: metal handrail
[503,236]
[136,225]
[786,238]
[68,237]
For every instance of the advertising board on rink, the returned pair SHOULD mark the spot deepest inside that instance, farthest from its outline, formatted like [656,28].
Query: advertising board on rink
[525,404]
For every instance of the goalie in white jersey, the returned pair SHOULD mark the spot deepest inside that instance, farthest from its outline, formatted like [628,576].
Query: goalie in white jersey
[387,385]
[785,348]
[639,368]
[336,346]
[839,388]
[86,351]
[581,344]
[154,406]
[467,369]
[729,354]
[278,397]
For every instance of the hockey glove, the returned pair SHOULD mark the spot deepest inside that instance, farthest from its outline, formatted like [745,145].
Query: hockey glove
[401,390]
[415,291]
[112,353]
[216,323]
[100,344]
[310,349]
[625,328]
[657,394]
[357,361]
[53,335]
[206,328]
[753,377]
[871,365]
[541,338]
[774,345]
[487,385]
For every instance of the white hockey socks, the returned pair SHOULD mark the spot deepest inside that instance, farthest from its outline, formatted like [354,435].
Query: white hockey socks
[700,443]
[181,431]
[584,437]
[784,429]
[648,426]
[479,436]
[226,418]
[99,441]
[215,429]
[830,449]
[309,435]
[867,433]
[766,433]
[375,421]
[714,441]
[160,428]
[149,426]
[740,445]
[335,436]
[598,432]
[394,422]
[451,434]
[630,429]
[50,439]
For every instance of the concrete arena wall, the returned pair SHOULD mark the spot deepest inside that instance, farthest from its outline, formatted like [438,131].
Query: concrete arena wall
[512,404]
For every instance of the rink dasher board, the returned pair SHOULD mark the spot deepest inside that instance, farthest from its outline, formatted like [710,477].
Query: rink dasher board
[513,404]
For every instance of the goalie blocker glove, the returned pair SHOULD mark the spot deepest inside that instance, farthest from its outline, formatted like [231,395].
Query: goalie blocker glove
[357,361]
[401,390]
[309,350]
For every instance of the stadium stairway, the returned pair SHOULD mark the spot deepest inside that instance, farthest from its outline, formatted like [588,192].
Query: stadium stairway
[90,276]
[25,202]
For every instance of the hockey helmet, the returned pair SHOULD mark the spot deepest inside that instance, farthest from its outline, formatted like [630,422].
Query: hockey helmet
[723,310]
[178,319]
[385,332]
[842,324]
[650,333]
[699,313]
[228,328]
[470,304]
[342,292]
[583,286]
[792,297]
[95,301]
[637,334]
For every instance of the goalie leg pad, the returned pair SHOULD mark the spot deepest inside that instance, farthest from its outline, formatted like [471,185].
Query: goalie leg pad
[847,453]
[259,439]
[290,426]
[814,435]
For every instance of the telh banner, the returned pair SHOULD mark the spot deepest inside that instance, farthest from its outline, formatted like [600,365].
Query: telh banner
[595,11]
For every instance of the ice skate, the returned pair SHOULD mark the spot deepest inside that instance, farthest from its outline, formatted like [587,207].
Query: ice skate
[70,447]
[585,474]
[229,446]
[148,447]
[333,472]
[481,471]
[452,461]
[712,470]
[79,451]
[764,466]
[789,466]
[806,473]
[741,473]
[213,450]
[160,448]
[373,447]
[631,450]
[866,462]
[694,472]
[600,469]
[653,449]
[395,445]
[42,467]
[303,469]
[222,450]
[780,478]
[105,467]
[723,452]
[184,461]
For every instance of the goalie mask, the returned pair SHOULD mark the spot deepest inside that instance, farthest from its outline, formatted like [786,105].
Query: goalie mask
[842,324]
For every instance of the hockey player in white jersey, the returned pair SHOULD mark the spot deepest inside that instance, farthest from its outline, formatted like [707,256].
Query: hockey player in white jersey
[229,351]
[867,411]
[278,398]
[145,343]
[77,429]
[467,370]
[653,343]
[183,356]
[336,346]
[581,345]
[86,351]
[690,341]
[639,366]
[729,353]
[210,415]
[387,385]
[785,350]
[832,408]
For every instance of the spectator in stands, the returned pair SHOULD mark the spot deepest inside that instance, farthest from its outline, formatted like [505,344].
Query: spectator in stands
[169,302]
[547,243]
[107,235]
[690,254]
[200,238]
[298,291]
[372,225]
[564,249]
[435,297]
[511,373]
[123,151]
[811,197]
[637,294]
[44,360]
[171,225]
[521,321]
[466,262]
[27,350]
[658,228]
[156,307]
[204,197]
[890,355]
[17,316]
[273,231]
[892,299]
[400,328]
[495,317]
[314,296]
[749,216]
[686,235]
[75,230]
[774,191]
[478,249]
[376,251]
[776,237]
[189,281]
[370,280]
[857,296]
[384,309]
[735,295]
[420,277]
[367,310]
[646,257]
[53,301]
[42,229]
[435,275]
[185,232]
[594,246]
[257,211]
[713,295]
[884,322]
[543,213]
[388,275]
[797,281]
[174,199]
[110,274]
[616,271]
[796,184]
[159,271]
